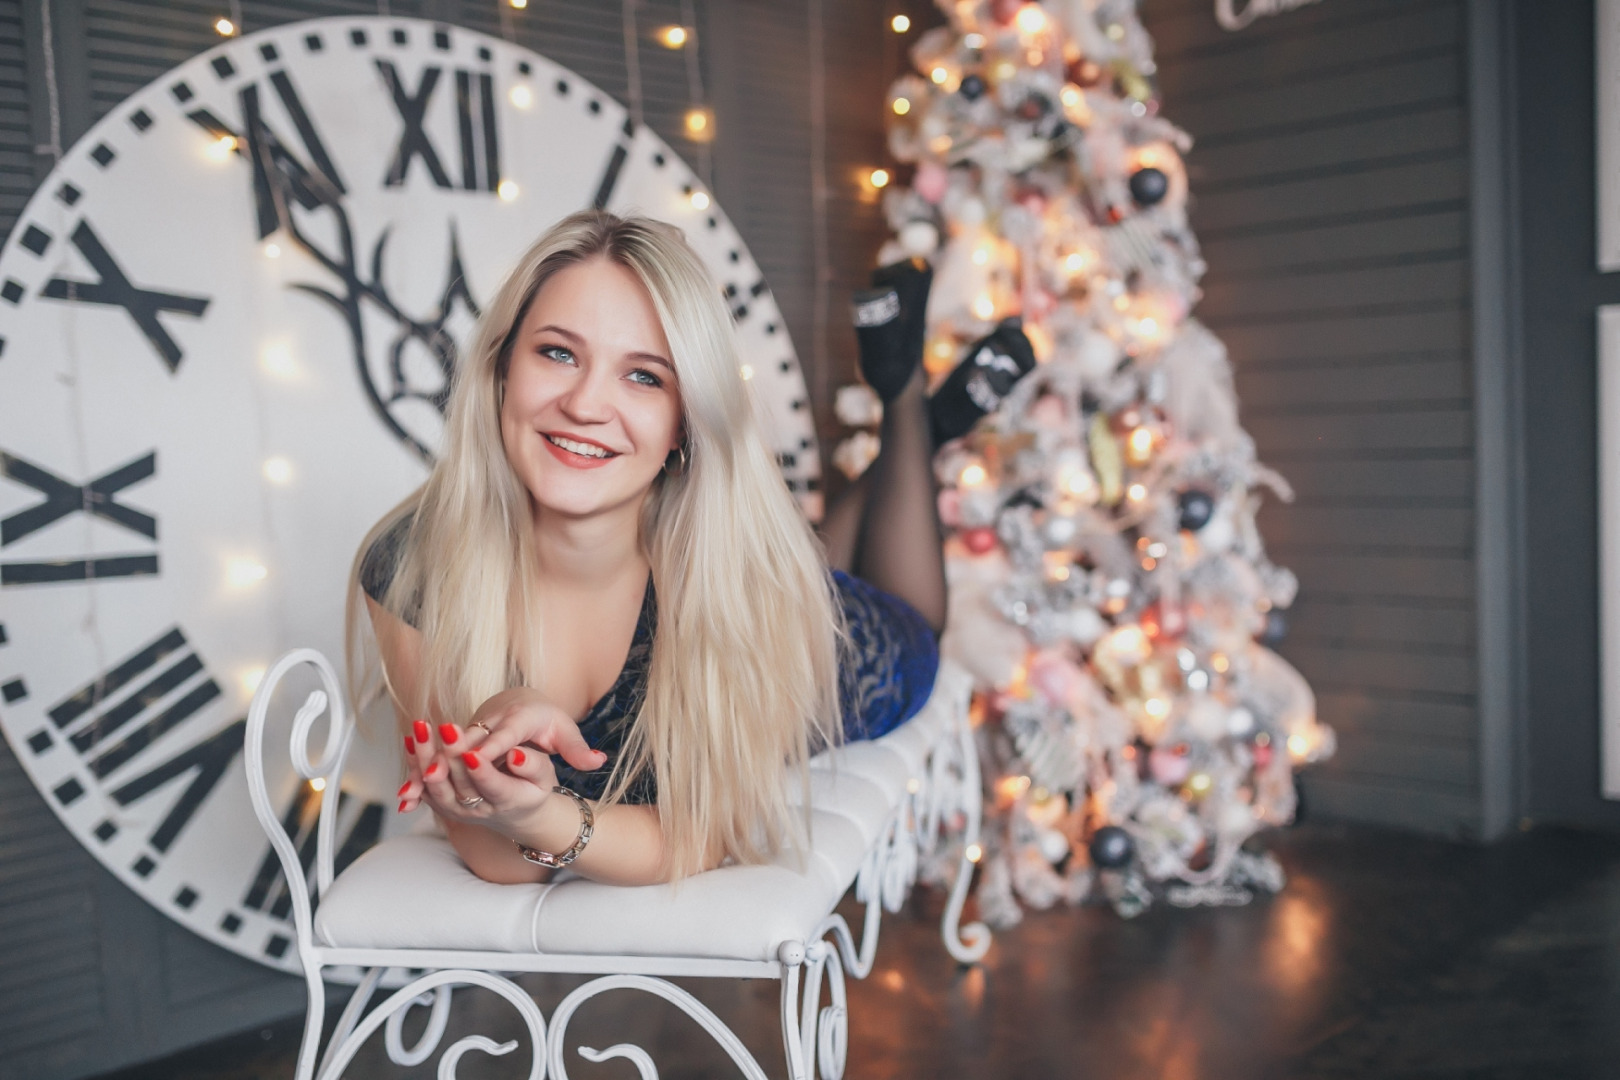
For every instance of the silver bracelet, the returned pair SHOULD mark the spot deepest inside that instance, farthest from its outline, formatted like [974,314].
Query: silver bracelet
[587,825]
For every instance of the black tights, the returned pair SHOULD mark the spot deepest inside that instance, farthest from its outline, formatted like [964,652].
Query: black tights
[885,528]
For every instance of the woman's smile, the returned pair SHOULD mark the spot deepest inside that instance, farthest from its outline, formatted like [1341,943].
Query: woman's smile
[576,452]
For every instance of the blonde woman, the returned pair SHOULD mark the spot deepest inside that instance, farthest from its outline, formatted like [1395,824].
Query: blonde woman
[611,638]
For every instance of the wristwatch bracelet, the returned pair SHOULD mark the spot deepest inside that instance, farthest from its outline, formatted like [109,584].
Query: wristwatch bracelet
[587,825]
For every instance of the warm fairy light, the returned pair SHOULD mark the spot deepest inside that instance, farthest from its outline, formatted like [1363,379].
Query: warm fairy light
[507,190]
[984,307]
[974,853]
[981,255]
[939,75]
[1219,662]
[1075,262]
[913,785]
[224,27]
[278,470]
[318,784]
[940,356]
[1136,493]
[521,96]
[1158,708]
[973,41]
[518,5]
[900,23]
[221,148]
[700,200]
[244,572]
[1299,747]
[746,371]
[1149,563]
[1004,70]
[277,360]
[672,37]
[272,250]
[699,124]
[1141,443]
[1122,302]
[1071,95]
[879,178]
[1009,789]
[1199,783]
[1148,328]
[251,678]
[972,476]
[901,106]
[1031,19]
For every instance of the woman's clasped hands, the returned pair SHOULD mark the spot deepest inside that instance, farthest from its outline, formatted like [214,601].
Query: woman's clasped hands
[496,771]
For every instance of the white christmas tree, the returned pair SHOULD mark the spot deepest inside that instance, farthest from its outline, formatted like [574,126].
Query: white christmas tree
[1109,589]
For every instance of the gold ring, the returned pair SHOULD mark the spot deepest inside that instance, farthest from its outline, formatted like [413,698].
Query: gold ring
[481,724]
[473,801]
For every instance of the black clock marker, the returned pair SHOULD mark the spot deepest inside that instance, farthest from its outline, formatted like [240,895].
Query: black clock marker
[610,176]
[63,497]
[114,288]
[209,759]
[413,141]
[267,892]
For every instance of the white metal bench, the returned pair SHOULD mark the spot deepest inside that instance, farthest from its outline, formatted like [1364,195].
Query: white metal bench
[878,808]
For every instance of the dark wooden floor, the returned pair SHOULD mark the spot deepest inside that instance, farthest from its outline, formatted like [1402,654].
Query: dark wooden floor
[1387,956]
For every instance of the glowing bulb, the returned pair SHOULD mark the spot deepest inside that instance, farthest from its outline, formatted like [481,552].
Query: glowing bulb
[672,37]
[981,255]
[700,200]
[972,476]
[318,784]
[244,572]
[1074,262]
[913,785]
[973,41]
[1158,708]
[900,23]
[272,250]
[1299,746]
[879,178]
[507,190]
[278,470]
[1219,662]
[1199,783]
[984,308]
[1031,19]
[518,5]
[1141,443]
[277,360]
[1070,95]
[901,106]
[699,125]
[939,75]
[1136,493]
[974,853]
[1148,328]
[220,149]
[747,372]
[251,678]
[224,27]
[521,96]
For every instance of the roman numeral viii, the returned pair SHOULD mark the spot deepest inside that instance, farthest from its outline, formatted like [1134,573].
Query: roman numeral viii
[114,719]
[98,498]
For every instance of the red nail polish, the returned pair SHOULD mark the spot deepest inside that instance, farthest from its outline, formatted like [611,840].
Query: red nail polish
[402,807]
[421,729]
[432,772]
[410,745]
[449,733]
[471,760]
[403,788]
[518,757]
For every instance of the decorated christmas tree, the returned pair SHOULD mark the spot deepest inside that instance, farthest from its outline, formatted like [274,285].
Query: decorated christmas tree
[1109,589]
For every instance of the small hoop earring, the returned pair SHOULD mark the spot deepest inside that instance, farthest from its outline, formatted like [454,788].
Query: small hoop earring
[679,451]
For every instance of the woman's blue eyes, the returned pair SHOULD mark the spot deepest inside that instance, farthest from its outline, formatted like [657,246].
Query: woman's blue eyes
[640,376]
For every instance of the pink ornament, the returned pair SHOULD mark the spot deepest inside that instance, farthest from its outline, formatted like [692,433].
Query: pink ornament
[1168,767]
[980,541]
[930,181]
[1057,678]
[1049,413]
[950,507]
[1262,756]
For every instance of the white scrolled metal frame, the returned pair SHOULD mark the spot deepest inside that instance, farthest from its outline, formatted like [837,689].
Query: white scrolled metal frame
[944,802]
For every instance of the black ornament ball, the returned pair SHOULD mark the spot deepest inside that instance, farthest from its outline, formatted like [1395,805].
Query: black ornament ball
[1276,628]
[972,87]
[1111,847]
[1197,507]
[1149,185]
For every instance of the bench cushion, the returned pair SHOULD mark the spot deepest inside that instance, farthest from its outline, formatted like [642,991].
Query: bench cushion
[414,892]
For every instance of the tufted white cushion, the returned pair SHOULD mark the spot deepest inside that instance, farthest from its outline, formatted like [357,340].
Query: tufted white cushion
[414,892]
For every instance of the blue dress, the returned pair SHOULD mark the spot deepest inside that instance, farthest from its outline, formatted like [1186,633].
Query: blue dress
[884,677]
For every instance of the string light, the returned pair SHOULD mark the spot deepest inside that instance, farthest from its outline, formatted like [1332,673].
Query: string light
[240,573]
[507,190]
[900,23]
[974,853]
[984,307]
[272,250]
[317,783]
[901,106]
[700,200]
[518,5]
[277,360]
[251,678]
[221,148]
[672,37]
[746,371]
[972,476]
[939,75]
[1136,493]
[1031,19]
[981,255]
[224,27]
[1158,708]
[278,470]
[699,124]
[521,96]
[879,178]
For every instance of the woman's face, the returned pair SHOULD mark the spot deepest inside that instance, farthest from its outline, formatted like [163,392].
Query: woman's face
[592,408]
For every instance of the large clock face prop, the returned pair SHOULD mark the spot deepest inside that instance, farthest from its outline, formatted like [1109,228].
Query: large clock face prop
[229,317]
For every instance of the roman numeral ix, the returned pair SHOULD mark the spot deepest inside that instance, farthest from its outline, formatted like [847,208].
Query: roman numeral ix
[62,498]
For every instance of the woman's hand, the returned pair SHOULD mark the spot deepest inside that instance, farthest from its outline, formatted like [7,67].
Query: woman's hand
[489,772]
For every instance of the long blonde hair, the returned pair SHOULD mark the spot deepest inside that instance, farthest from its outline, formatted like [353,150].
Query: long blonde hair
[743,676]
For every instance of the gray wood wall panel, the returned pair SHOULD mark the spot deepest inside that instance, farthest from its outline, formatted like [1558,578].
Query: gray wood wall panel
[1330,186]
